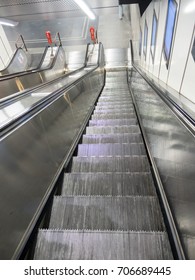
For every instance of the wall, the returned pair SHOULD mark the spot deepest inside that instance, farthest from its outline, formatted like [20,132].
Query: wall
[5,49]
[179,75]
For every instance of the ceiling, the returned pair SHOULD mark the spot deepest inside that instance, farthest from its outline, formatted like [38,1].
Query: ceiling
[64,16]
[22,10]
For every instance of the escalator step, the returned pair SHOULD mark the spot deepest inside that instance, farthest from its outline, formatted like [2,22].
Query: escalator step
[114,184]
[110,164]
[112,129]
[113,102]
[116,85]
[114,105]
[110,88]
[136,213]
[111,149]
[112,138]
[113,110]
[113,98]
[103,116]
[114,95]
[112,122]
[105,245]
[101,106]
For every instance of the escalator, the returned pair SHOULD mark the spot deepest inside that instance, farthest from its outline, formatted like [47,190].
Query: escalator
[18,83]
[98,200]
[14,107]
[23,61]
[108,207]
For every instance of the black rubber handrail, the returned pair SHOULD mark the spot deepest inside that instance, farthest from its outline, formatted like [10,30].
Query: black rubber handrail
[186,119]
[10,99]
[43,103]
[31,71]
[11,75]
[11,60]
[42,58]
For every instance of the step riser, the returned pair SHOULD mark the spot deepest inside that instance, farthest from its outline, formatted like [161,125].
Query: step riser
[102,116]
[111,122]
[112,130]
[69,245]
[109,164]
[114,184]
[111,149]
[106,213]
[113,138]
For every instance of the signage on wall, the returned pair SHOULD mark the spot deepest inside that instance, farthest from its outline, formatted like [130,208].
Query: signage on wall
[193,50]
[169,29]
[145,39]
[153,36]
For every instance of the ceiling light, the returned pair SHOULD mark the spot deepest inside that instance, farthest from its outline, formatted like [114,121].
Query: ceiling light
[190,7]
[85,8]
[8,22]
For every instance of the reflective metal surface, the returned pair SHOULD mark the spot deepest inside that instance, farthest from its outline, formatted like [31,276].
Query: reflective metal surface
[26,61]
[173,149]
[30,158]
[18,108]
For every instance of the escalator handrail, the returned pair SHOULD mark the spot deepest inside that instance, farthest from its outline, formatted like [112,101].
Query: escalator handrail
[186,119]
[42,58]
[43,103]
[11,60]
[32,71]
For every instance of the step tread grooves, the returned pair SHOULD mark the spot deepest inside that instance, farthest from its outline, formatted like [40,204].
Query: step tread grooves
[113,129]
[108,184]
[106,213]
[95,245]
[111,149]
[112,138]
[110,164]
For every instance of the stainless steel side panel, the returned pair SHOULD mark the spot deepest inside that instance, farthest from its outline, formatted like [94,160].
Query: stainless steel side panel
[31,156]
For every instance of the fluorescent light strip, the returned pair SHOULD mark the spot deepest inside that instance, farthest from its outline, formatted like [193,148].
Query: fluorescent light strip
[8,22]
[190,7]
[85,8]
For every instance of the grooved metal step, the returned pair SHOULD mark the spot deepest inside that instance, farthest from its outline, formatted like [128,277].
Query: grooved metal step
[112,129]
[113,103]
[105,245]
[121,90]
[114,99]
[103,116]
[114,106]
[113,110]
[112,138]
[112,122]
[110,164]
[114,95]
[123,184]
[106,213]
[111,149]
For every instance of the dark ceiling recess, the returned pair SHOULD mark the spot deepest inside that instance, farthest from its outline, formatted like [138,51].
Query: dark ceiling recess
[143,4]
